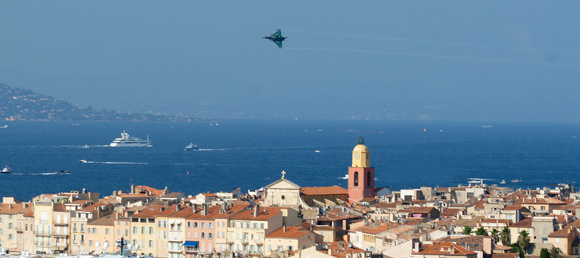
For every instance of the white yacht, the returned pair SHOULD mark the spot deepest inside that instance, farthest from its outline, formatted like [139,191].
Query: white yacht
[127,141]
[6,169]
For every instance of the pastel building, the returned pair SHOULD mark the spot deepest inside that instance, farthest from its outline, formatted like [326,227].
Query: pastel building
[15,228]
[248,229]
[289,239]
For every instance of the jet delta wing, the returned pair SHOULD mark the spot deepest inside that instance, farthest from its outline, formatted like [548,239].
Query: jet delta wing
[276,38]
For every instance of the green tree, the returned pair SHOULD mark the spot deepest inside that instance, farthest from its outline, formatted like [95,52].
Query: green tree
[516,248]
[524,240]
[481,232]
[495,235]
[544,253]
[467,230]
[505,236]
[555,252]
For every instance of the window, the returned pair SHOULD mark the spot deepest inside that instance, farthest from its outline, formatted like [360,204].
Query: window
[9,225]
[368,179]
[150,243]
[126,232]
[209,236]
[188,224]
[151,230]
[143,230]
[255,225]
[355,181]
[202,235]
[203,225]
[9,236]
[134,230]
[210,225]
[90,242]
[119,232]
[107,231]
[195,224]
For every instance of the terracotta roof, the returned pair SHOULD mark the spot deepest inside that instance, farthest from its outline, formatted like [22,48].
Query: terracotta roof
[17,208]
[289,232]
[561,233]
[505,255]
[340,250]
[525,223]
[266,213]
[385,205]
[93,207]
[104,221]
[422,210]
[336,214]
[374,229]
[474,243]
[442,248]
[144,188]
[553,201]
[155,210]
[324,190]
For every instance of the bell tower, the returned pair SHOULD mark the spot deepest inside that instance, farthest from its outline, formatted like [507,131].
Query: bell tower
[361,176]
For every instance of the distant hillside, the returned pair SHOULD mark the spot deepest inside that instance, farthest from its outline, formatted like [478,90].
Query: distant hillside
[26,105]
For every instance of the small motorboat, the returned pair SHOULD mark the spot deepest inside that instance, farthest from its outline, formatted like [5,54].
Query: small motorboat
[516,180]
[191,147]
[83,161]
[6,169]
[502,182]
[62,172]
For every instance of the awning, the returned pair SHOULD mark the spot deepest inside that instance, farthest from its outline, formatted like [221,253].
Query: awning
[191,243]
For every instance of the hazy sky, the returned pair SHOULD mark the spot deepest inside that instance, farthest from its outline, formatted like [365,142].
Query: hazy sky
[443,60]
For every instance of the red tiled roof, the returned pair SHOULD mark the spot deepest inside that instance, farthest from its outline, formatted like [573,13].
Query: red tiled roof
[266,213]
[442,248]
[289,232]
[324,190]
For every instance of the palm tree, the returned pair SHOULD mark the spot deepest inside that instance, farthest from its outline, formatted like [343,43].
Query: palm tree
[495,235]
[505,236]
[467,230]
[524,240]
[481,231]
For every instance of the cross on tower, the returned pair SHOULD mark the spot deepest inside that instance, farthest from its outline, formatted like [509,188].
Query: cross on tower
[283,173]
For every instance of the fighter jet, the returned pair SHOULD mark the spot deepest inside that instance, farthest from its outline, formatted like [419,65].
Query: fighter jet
[276,38]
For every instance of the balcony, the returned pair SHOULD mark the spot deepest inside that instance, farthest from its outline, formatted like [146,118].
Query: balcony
[61,233]
[60,223]
[42,233]
[19,229]
[59,245]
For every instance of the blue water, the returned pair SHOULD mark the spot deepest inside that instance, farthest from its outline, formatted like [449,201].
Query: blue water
[251,153]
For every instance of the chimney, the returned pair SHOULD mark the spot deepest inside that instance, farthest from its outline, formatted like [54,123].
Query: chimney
[311,228]
[10,206]
[194,208]
[133,189]
[24,205]
[257,212]
[116,215]
[284,228]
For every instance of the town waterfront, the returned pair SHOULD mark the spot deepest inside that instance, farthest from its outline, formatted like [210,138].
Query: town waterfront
[251,153]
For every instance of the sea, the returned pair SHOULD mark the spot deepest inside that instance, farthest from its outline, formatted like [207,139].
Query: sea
[252,153]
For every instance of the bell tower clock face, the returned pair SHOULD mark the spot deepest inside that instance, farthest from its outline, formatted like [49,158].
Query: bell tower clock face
[357,156]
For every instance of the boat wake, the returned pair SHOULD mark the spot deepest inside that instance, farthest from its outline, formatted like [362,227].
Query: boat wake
[212,150]
[114,162]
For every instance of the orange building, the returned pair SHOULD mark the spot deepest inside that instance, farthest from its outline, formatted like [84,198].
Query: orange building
[361,176]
